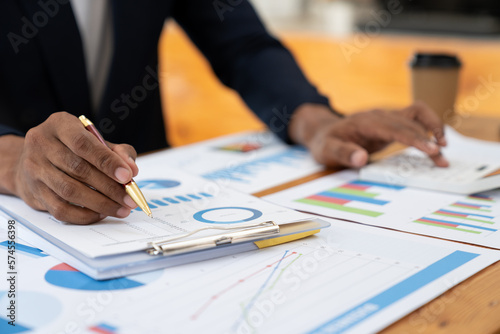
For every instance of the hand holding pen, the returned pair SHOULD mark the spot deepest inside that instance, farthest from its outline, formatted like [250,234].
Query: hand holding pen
[61,164]
[131,187]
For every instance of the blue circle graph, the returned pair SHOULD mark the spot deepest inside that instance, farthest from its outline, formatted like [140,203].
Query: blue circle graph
[199,215]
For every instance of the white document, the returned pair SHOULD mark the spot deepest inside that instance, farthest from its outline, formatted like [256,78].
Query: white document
[473,219]
[348,279]
[471,161]
[180,203]
[249,162]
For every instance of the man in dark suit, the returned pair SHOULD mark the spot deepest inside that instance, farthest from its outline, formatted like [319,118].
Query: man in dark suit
[51,61]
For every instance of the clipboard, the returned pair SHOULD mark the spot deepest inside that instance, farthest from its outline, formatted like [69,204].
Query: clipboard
[263,235]
[117,248]
[116,266]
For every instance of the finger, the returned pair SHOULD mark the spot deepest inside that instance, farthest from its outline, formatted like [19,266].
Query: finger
[423,114]
[440,160]
[64,211]
[128,154]
[73,191]
[411,133]
[396,127]
[81,170]
[335,152]
[84,144]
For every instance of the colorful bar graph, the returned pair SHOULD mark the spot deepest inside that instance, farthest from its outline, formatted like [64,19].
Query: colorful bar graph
[376,184]
[340,195]
[103,328]
[480,197]
[241,147]
[472,206]
[352,192]
[453,225]
[465,215]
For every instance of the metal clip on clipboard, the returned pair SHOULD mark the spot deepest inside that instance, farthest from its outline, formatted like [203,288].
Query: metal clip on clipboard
[173,246]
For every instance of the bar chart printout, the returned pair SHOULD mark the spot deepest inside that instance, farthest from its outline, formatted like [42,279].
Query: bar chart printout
[472,215]
[358,197]
[474,219]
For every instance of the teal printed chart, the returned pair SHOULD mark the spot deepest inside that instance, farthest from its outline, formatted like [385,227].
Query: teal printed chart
[227,215]
[64,276]
[34,310]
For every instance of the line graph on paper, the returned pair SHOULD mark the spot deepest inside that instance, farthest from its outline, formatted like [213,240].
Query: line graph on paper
[260,286]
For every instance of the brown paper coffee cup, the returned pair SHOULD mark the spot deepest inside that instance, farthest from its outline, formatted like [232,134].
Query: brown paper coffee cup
[435,82]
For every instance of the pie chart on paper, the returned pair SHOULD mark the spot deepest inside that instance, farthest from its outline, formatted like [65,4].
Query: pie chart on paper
[227,215]
[65,276]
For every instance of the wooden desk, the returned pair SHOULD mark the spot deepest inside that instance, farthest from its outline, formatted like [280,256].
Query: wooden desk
[200,108]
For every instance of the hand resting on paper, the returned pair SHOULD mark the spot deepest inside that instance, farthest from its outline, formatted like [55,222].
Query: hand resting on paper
[55,165]
[347,141]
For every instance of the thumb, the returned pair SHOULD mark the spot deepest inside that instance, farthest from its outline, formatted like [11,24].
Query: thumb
[335,152]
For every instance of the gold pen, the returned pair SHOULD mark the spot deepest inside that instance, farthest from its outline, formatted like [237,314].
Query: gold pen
[131,188]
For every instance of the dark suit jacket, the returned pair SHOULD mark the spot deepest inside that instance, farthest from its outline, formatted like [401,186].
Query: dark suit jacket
[42,68]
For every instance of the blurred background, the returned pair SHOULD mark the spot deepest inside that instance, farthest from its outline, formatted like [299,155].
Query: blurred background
[356,52]
[342,17]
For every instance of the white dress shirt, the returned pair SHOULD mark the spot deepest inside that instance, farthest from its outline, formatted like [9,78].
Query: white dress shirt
[94,20]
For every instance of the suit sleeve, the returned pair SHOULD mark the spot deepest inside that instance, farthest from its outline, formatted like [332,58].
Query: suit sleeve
[248,59]
[8,115]
[7,130]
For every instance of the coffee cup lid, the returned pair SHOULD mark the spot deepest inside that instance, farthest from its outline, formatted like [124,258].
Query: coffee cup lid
[440,60]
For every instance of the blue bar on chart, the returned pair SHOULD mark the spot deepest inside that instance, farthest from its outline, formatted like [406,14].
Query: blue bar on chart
[178,199]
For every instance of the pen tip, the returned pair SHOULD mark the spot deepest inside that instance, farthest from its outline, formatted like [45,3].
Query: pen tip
[150,215]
